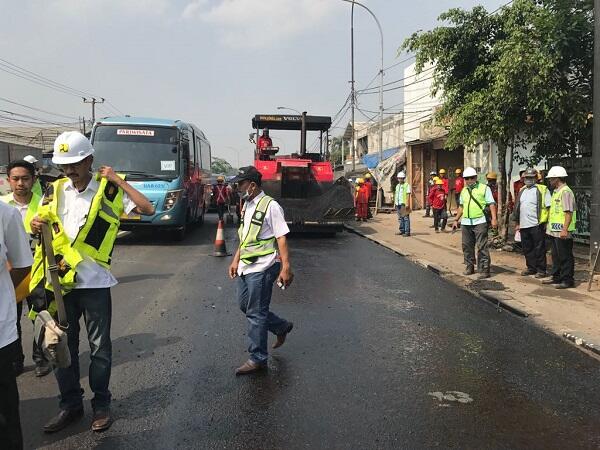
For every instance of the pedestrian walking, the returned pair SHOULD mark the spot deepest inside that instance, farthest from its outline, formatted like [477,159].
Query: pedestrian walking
[261,259]
[459,184]
[531,216]
[562,223]
[221,195]
[22,180]
[402,202]
[84,211]
[437,199]
[444,177]
[430,186]
[361,201]
[474,224]
[14,253]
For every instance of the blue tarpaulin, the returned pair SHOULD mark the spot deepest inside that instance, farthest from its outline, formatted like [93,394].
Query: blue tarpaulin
[371,160]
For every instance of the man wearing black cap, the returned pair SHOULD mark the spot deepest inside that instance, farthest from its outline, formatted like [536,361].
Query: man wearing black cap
[261,259]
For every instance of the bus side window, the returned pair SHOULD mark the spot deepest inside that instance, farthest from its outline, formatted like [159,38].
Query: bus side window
[198,151]
[206,159]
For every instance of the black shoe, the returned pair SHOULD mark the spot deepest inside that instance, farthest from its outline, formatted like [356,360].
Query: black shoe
[42,370]
[469,271]
[550,281]
[564,285]
[527,272]
[541,275]
[19,368]
[406,234]
[63,419]
[484,275]
[399,233]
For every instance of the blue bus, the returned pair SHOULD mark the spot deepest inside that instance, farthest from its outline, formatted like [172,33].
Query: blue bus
[167,160]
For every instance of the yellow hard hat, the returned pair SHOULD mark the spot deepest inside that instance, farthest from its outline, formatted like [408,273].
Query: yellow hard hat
[220,178]
[435,179]
[492,176]
[457,171]
[439,182]
[442,170]
[367,175]
[360,180]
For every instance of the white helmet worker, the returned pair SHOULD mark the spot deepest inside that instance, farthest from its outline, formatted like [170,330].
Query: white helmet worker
[71,147]
[557,172]
[30,159]
[401,175]
[469,172]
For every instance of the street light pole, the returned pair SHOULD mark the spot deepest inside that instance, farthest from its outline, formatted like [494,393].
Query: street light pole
[289,109]
[595,203]
[352,92]
[354,2]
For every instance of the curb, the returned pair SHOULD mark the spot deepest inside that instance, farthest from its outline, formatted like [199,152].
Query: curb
[580,342]
[500,302]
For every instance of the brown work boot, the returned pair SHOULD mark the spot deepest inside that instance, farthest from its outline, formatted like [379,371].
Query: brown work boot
[102,420]
[281,337]
[485,274]
[249,367]
[470,270]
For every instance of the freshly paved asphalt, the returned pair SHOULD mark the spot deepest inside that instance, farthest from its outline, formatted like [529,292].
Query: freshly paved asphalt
[378,349]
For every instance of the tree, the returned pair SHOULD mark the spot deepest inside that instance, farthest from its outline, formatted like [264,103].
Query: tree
[221,166]
[520,76]
[336,151]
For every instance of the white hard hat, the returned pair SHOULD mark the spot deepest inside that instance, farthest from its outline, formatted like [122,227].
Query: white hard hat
[401,175]
[30,159]
[71,147]
[469,172]
[557,172]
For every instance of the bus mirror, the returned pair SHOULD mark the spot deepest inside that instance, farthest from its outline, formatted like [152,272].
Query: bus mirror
[251,137]
[174,149]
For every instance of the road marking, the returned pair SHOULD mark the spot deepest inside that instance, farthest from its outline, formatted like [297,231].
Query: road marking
[451,396]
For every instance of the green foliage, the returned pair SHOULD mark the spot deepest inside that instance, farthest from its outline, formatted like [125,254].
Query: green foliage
[335,149]
[221,166]
[521,75]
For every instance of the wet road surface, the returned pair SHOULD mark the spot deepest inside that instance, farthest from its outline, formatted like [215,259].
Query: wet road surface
[384,354]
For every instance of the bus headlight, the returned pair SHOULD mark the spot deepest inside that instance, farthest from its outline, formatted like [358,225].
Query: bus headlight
[172,198]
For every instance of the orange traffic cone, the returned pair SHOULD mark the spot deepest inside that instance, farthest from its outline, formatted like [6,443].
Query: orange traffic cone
[220,249]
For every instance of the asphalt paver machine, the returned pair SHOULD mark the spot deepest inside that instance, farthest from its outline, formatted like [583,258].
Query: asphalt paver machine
[303,183]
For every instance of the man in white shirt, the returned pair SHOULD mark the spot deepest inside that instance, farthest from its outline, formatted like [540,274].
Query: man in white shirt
[16,252]
[262,257]
[78,203]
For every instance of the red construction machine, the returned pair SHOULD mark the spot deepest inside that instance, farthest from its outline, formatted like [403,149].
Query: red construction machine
[303,183]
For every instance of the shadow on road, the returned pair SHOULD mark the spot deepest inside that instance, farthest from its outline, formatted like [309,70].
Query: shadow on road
[147,276]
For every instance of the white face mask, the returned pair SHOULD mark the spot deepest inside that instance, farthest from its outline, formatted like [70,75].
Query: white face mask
[246,195]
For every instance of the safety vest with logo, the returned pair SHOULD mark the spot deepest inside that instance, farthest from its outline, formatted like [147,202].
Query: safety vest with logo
[251,248]
[31,208]
[472,210]
[543,212]
[556,220]
[404,199]
[96,238]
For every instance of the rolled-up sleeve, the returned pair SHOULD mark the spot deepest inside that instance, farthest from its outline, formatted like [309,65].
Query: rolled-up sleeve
[277,220]
[18,250]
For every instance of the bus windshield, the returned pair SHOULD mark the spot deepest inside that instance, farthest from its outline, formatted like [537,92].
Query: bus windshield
[138,150]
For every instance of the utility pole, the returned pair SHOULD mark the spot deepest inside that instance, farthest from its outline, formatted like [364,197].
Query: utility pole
[93,102]
[352,91]
[595,203]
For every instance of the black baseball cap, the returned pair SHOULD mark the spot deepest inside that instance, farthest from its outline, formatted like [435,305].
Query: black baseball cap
[249,173]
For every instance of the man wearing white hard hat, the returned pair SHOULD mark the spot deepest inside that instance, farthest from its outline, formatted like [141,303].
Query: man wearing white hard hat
[84,211]
[37,189]
[402,196]
[474,198]
[562,223]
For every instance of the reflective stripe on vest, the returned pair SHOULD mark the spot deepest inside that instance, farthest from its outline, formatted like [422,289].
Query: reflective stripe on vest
[95,239]
[31,208]
[556,221]
[470,208]
[251,248]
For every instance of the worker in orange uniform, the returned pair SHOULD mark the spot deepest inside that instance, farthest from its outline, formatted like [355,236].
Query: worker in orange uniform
[361,201]
[264,142]
[492,182]
[437,200]
[442,176]
[222,196]
[369,187]
[459,184]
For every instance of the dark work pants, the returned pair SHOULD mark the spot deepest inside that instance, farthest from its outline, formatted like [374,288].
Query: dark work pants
[440,218]
[476,236]
[533,242]
[563,262]
[36,353]
[95,307]
[10,422]
[221,207]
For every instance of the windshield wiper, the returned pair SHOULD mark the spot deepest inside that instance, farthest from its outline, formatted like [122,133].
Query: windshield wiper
[146,174]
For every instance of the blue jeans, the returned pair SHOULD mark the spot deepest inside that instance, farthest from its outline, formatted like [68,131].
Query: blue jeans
[95,306]
[254,297]
[403,219]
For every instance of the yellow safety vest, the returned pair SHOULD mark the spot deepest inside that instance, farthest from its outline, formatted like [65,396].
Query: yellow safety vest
[543,212]
[251,248]
[556,221]
[404,194]
[31,208]
[95,239]
[472,210]
[37,188]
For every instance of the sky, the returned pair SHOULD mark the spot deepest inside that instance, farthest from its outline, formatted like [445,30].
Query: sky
[215,63]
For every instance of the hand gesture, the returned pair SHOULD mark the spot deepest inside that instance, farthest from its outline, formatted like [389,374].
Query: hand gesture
[36,224]
[108,173]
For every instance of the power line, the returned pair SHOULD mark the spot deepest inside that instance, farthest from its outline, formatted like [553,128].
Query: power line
[37,109]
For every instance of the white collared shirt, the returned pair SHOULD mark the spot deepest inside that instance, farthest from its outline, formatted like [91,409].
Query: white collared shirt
[14,248]
[22,208]
[274,225]
[73,208]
